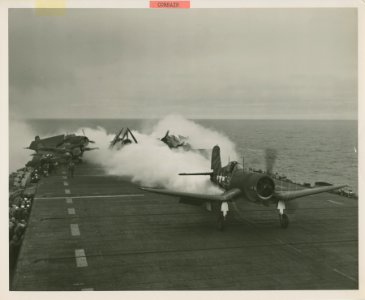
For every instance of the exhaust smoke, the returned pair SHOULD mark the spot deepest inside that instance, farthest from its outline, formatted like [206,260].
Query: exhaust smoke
[152,163]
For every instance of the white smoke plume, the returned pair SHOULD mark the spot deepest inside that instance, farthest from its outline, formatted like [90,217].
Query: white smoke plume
[152,163]
[199,136]
[20,135]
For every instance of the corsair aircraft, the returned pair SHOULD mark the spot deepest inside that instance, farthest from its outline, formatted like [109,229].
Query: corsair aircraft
[240,185]
[174,141]
[122,138]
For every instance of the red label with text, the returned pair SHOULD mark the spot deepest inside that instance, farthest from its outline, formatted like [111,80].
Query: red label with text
[169,4]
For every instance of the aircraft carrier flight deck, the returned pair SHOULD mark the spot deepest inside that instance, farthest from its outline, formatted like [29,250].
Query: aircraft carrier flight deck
[101,232]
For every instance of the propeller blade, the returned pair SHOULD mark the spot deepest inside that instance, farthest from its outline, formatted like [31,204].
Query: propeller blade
[270,159]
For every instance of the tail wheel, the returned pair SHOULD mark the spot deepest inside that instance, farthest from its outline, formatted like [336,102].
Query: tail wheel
[284,220]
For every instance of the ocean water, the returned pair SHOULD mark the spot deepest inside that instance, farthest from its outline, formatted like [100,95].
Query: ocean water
[307,151]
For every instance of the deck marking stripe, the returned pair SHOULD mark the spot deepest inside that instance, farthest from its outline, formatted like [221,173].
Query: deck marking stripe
[92,196]
[80,256]
[77,283]
[87,289]
[64,172]
[343,274]
[69,200]
[65,183]
[335,202]
[71,211]
[75,231]
[64,177]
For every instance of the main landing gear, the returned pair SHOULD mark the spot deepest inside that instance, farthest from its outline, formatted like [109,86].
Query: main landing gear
[221,220]
[222,215]
[283,218]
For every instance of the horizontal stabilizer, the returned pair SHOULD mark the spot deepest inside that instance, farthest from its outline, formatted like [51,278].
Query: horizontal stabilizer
[290,195]
[89,149]
[201,173]
[226,196]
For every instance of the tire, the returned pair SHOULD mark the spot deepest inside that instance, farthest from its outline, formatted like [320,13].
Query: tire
[284,221]
[220,222]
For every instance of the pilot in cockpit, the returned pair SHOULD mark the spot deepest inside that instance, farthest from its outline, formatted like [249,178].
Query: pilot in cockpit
[232,166]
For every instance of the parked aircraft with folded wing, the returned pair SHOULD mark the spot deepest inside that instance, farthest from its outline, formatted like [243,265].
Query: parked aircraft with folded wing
[61,145]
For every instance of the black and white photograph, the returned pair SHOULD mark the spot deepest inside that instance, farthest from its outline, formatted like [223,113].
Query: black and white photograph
[175,146]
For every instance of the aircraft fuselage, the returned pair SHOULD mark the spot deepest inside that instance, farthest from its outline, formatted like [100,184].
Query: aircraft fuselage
[256,187]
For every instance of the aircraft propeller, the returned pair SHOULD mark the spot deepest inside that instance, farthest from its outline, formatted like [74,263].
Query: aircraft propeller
[270,160]
[89,141]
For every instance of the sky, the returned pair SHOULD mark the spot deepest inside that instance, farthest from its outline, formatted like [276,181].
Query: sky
[298,63]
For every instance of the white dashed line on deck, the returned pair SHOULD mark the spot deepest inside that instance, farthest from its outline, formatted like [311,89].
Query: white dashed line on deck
[64,177]
[69,200]
[80,256]
[64,172]
[87,289]
[78,284]
[65,183]
[71,211]
[345,275]
[335,202]
[75,231]
[92,196]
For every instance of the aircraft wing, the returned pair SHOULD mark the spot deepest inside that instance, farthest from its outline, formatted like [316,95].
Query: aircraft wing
[53,141]
[200,173]
[291,195]
[112,143]
[46,151]
[89,149]
[50,142]
[226,196]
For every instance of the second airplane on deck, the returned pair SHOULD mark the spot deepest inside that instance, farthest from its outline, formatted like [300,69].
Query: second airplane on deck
[61,146]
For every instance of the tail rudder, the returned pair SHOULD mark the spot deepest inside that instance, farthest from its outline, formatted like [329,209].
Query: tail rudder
[216,164]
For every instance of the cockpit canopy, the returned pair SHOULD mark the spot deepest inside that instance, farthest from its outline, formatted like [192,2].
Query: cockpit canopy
[234,165]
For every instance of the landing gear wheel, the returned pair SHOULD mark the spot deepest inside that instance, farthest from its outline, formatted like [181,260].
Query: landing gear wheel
[221,222]
[284,221]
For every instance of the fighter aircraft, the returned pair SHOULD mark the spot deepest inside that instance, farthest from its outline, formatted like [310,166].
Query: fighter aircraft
[239,184]
[180,142]
[174,141]
[62,145]
[122,138]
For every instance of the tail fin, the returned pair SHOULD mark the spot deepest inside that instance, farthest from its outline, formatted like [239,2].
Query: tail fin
[216,159]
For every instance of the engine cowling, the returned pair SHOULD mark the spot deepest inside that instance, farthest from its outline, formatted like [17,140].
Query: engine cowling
[85,141]
[258,187]
[76,151]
